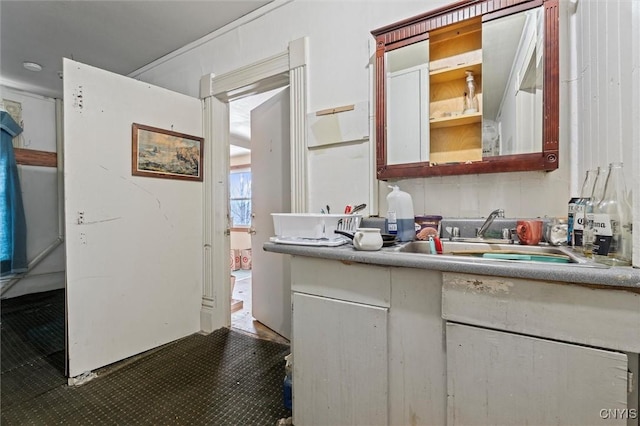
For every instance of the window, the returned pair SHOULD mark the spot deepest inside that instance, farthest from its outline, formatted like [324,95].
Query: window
[240,197]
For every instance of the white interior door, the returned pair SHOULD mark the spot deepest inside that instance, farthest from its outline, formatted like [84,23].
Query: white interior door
[133,244]
[271,193]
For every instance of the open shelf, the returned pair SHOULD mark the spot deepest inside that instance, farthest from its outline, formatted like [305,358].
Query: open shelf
[457,72]
[453,51]
[458,120]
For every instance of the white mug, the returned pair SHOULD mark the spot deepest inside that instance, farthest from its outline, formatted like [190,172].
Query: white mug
[367,239]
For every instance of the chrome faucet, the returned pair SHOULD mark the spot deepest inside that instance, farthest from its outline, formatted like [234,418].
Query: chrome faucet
[487,223]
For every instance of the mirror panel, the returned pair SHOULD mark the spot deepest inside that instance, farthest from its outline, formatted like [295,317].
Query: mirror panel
[408,103]
[426,128]
[513,71]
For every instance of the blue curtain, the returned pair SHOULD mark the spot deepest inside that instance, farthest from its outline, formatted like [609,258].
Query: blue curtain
[13,227]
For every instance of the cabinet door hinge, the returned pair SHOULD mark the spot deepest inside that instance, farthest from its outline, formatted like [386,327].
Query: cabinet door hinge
[629,381]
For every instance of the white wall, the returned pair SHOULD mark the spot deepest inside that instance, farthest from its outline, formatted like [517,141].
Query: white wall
[607,40]
[341,48]
[40,195]
[340,54]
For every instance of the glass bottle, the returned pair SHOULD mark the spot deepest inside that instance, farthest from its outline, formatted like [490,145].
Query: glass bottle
[470,99]
[578,212]
[612,218]
[589,231]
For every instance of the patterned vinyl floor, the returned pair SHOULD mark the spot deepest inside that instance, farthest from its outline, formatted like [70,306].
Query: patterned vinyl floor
[225,378]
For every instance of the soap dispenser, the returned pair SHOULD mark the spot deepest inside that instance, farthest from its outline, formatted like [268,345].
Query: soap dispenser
[470,98]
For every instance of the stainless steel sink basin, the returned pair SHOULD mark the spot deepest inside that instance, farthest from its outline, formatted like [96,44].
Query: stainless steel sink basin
[501,251]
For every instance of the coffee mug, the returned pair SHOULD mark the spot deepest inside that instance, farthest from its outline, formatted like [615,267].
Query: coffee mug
[529,231]
[367,239]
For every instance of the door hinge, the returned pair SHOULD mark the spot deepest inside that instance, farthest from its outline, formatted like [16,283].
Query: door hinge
[629,381]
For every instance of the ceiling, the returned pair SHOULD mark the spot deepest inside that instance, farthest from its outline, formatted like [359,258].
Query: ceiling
[118,36]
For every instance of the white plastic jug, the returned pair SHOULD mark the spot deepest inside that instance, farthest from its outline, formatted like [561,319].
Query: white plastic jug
[400,219]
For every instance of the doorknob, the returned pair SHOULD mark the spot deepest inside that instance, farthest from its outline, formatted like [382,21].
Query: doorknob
[252,229]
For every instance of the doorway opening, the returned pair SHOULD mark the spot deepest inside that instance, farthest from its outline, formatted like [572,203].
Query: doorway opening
[242,215]
[285,69]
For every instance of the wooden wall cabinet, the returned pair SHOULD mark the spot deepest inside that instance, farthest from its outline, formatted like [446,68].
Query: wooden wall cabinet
[455,132]
[453,144]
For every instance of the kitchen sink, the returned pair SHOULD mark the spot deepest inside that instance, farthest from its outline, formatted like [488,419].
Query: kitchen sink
[500,251]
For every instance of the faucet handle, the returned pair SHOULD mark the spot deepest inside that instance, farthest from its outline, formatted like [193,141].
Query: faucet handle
[454,232]
[509,234]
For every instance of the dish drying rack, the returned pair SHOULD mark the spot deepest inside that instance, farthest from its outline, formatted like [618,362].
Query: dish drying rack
[313,229]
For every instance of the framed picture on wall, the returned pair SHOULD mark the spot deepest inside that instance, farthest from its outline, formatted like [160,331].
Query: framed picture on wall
[165,154]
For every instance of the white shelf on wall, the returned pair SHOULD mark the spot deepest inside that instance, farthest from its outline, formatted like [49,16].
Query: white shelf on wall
[339,125]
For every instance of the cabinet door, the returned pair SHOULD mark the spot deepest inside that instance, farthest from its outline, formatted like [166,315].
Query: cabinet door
[407,116]
[339,362]
[498,378]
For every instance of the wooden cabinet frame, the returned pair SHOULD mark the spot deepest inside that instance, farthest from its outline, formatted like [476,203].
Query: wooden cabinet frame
[416,29]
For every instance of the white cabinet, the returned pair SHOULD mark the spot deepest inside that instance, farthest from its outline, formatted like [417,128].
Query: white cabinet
[340,362]
[534,352]
[408,111]
[498,378]
[417,359]
[371,347]
[340,326]
[368,344]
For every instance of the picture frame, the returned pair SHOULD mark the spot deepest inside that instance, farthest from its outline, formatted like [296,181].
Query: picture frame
[165,154]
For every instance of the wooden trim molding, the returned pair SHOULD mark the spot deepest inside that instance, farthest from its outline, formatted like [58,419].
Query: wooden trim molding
[447,15]
[32,157]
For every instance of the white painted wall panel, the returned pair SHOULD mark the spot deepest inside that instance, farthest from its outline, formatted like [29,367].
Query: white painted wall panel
[608,45]
[340,64]
[134,244]
[339,74]
[605,45]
